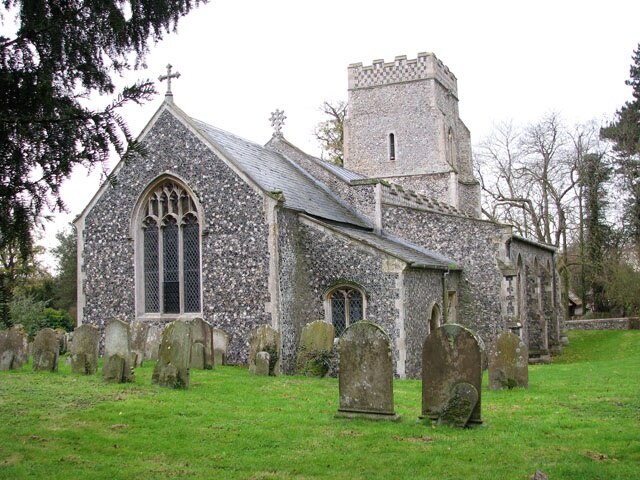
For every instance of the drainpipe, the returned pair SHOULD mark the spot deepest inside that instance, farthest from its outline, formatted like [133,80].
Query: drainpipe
[445,296]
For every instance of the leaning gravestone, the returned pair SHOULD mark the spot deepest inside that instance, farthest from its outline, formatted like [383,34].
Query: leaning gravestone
[365,376]
[46,348]
[84,349]
[315,349]
[220,346]
[201,344]
[154,337]
[451,356]
[172,368]
[13,348]
[508,362]
[138,331]
[117,364]
[265,339]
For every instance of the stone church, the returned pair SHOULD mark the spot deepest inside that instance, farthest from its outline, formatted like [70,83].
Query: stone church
[208,224]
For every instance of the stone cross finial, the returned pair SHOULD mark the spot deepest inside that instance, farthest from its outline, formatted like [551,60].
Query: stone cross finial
[168,78]
[277,121]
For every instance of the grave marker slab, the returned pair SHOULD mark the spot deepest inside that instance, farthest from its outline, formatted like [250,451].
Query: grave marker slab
[172,368]
[315,349]
[201,344]
[13,348]
[138,331]
[117,363]
[265,339]
[451,355]
[365,375]
[220,346]
[84,349]
[46,349]
[154,337]
[508,362]
[263,359]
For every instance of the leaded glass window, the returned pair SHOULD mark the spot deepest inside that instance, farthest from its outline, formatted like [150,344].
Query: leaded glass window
[171,251]
[347,307]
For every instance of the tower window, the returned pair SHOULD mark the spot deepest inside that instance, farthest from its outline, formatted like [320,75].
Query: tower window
[392,147]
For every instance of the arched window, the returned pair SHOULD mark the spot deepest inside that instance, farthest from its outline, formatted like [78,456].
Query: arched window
[451,149]
[345,306]
[169,248]
[392,146]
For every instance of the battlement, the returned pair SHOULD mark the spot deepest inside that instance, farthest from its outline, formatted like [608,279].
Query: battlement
[426,66]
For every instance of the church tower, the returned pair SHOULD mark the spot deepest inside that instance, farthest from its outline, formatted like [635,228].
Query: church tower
[403,126]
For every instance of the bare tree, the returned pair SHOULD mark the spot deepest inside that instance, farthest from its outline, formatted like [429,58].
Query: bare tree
[330,133]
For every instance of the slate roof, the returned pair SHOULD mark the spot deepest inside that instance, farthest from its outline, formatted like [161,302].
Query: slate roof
[274,172]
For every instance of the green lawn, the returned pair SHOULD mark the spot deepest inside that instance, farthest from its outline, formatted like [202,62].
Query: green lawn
[580,419]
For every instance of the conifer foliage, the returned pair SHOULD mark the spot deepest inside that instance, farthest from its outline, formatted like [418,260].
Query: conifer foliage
[54,56]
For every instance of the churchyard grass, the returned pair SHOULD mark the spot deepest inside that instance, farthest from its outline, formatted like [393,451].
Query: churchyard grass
[579,419]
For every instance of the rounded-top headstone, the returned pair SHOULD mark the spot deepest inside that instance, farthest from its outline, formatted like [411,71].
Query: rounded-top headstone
[315,349]
[508,362]
[365,376]
[117,363]
[13,348]
[450,355]
[46,349]
[84,349]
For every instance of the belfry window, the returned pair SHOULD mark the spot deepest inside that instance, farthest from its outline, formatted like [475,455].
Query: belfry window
[171,251]
[346,306]
[392,146]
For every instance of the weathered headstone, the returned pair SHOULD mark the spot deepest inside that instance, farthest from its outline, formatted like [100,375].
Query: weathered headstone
[459,408]
[172,368]
[262,363]
[365,376]
[450,356]
[46,349]
[265,339]
[117,364]
[138,331]
[63,340]
[84,349]
[508,362]
[201,344]
[13,348]
[315,349]
[220,346]
[154,337]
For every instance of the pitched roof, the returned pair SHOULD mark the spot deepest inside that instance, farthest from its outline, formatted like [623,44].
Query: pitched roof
[274,172]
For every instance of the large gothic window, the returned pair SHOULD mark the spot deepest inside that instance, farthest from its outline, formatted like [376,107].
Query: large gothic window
[346,306]
[170,251]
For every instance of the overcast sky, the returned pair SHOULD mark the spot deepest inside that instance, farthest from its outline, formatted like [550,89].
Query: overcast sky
[239,60]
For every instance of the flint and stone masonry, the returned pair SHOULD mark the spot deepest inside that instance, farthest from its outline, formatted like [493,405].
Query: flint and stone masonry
[209,225]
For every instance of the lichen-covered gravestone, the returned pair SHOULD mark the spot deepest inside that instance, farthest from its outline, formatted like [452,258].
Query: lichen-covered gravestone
[152,345]
[451,356]
[172,368]
[138,331]
[117,364]
[46,349]
[508,362]
[365,376]
[262,363]
[265,339]
[13,348]
[201,344]
[315,349]
[220,346]
[84,349]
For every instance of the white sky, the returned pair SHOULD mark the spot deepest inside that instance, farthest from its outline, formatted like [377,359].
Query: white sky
[242,59]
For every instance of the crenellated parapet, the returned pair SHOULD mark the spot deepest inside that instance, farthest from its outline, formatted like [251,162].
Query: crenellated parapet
[426,66]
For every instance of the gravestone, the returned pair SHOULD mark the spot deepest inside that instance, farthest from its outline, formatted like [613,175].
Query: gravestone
[262,363]
[315,349]
[46,349]
[84,349]
[451,355]
[117,366]
[220,346]
[265,339]
[172,368]
[365,376]
[63,340]
[508,362]
[201,344]
[13,348]
[460,405]
[138,331]
[154,337]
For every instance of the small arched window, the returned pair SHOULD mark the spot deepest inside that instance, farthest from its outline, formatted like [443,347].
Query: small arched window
[346,306]
[435,318]
[392,146]
[170,244]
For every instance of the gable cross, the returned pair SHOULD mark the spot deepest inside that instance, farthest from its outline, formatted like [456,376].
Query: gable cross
[168,78]
[277,121]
